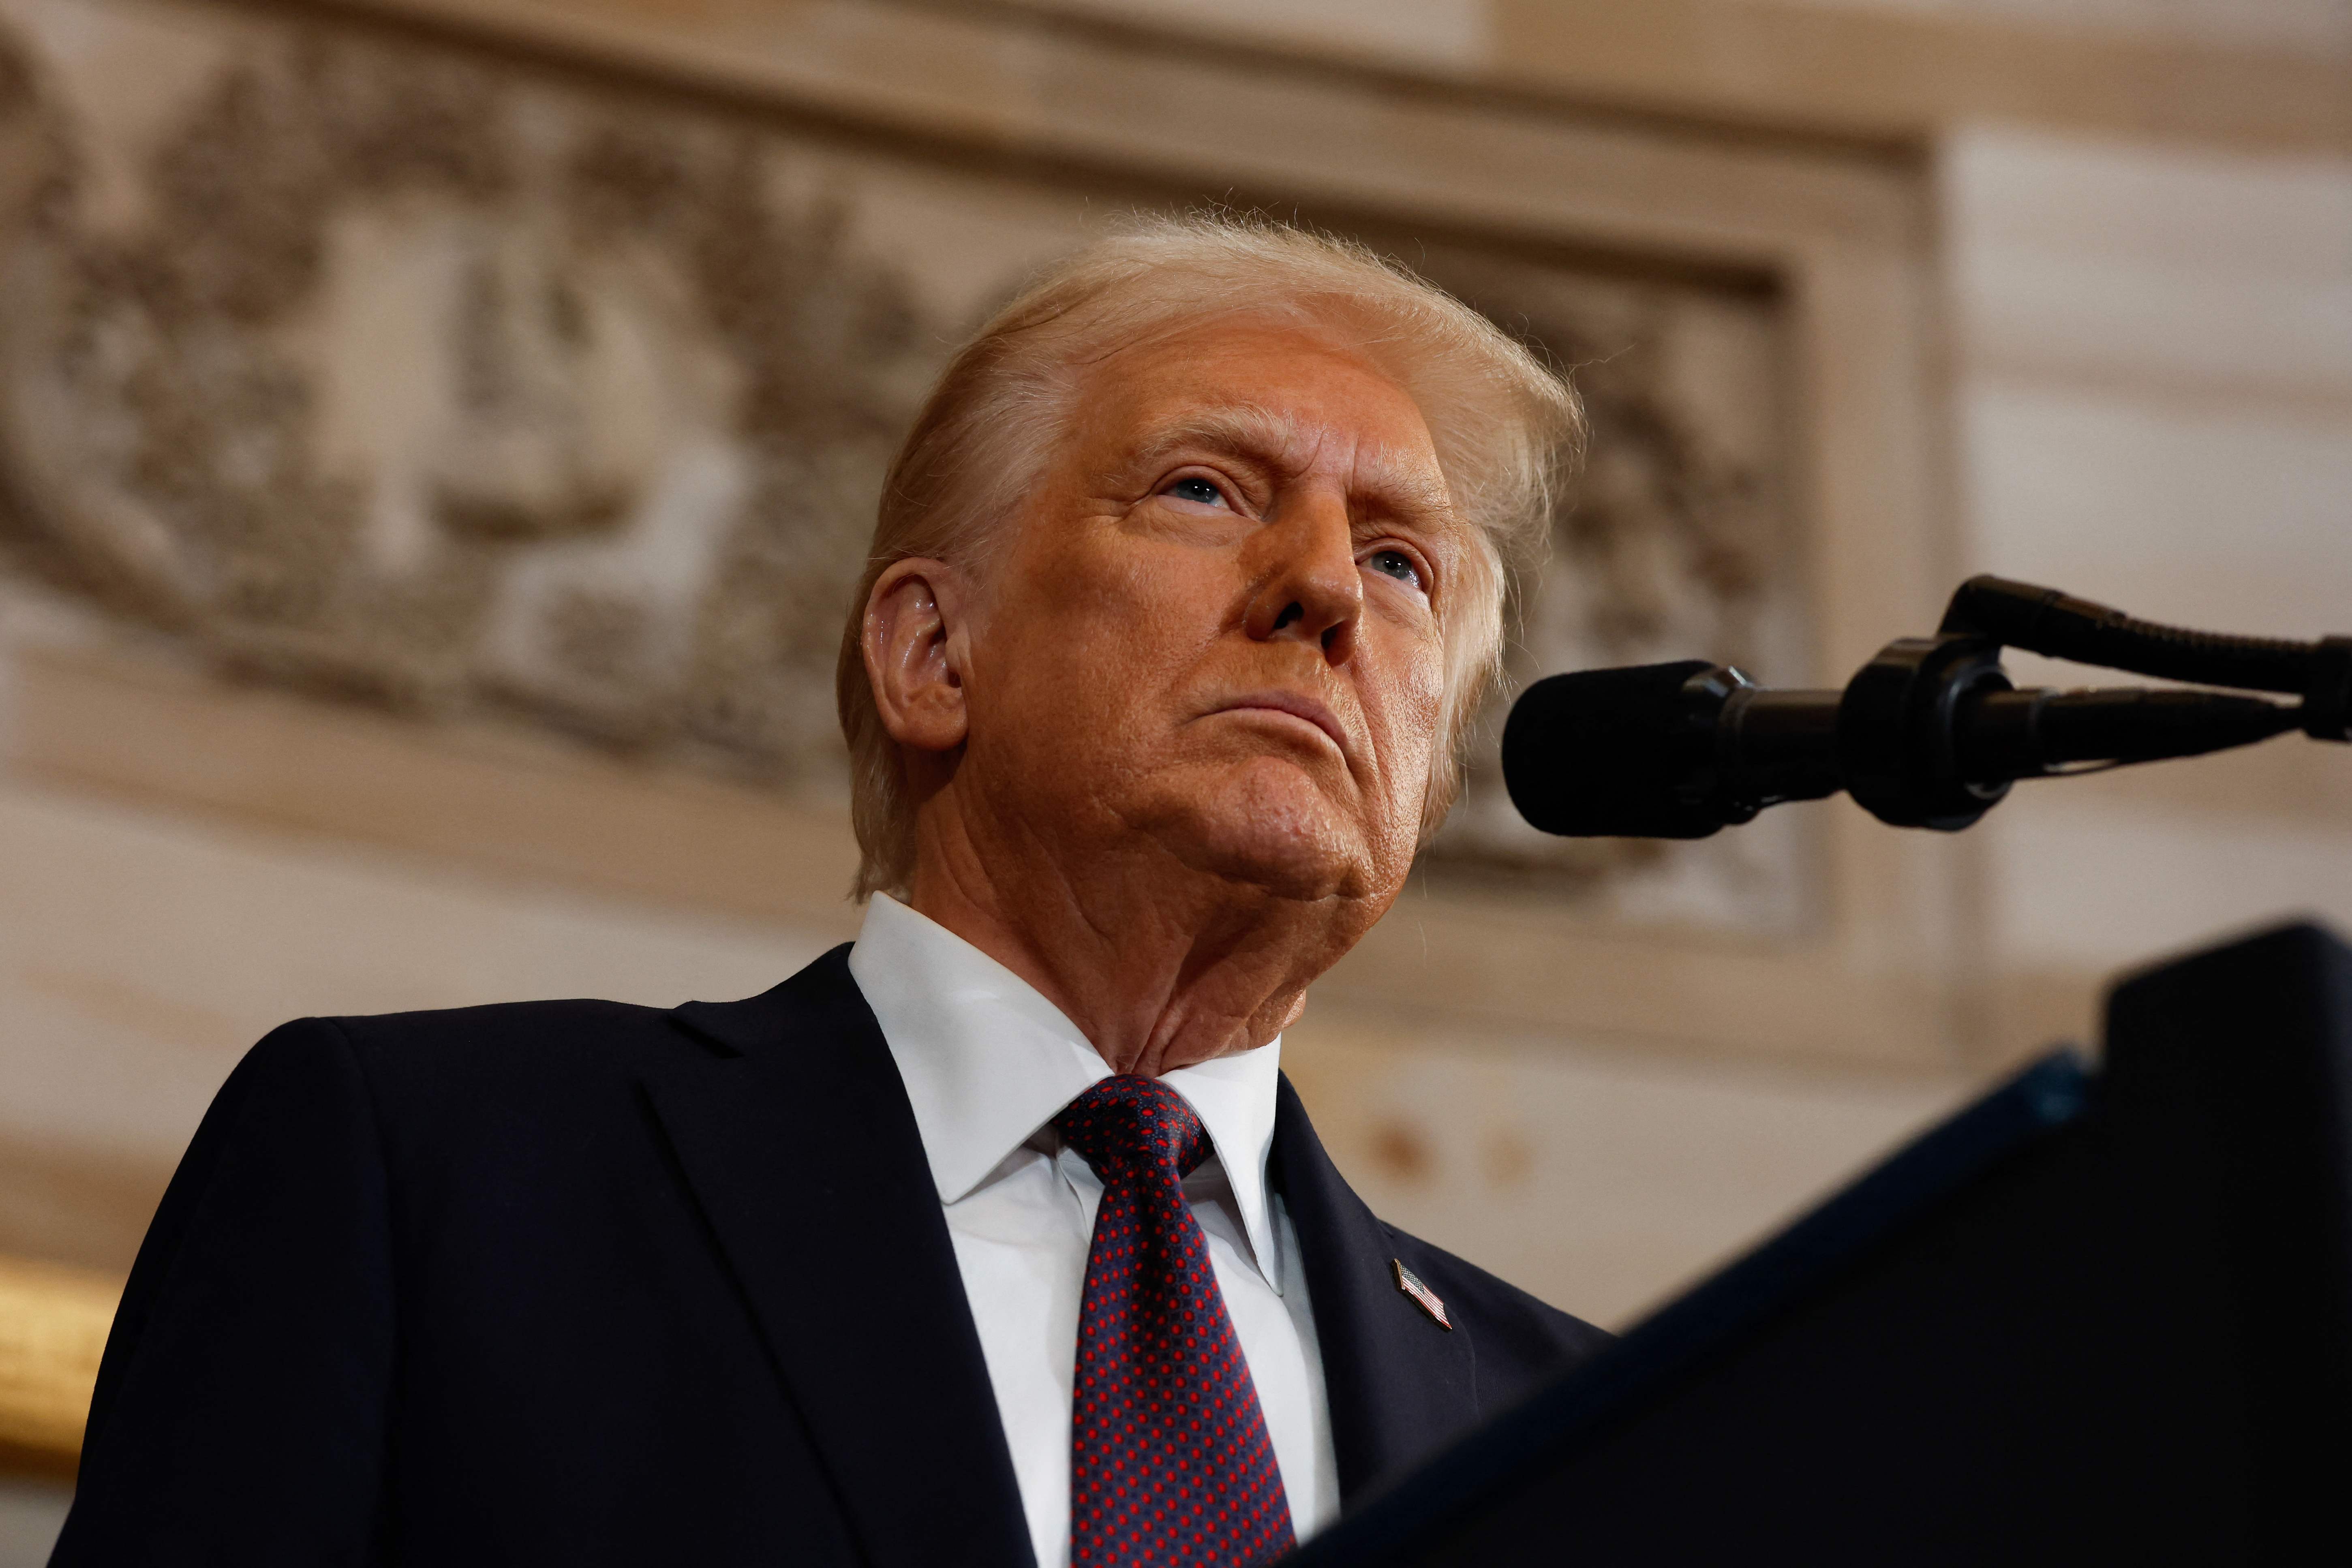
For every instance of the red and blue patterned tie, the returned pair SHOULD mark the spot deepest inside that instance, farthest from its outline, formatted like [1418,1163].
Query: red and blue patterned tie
[1169,1463]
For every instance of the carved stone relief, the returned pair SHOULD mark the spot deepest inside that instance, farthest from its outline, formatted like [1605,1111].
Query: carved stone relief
[411,377]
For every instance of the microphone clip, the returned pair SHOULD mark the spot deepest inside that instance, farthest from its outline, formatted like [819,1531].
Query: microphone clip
[1898,728]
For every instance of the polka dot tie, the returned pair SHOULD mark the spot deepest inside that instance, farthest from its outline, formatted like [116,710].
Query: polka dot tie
[1169,1463]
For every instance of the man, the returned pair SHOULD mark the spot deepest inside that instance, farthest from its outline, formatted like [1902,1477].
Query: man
[997,1235]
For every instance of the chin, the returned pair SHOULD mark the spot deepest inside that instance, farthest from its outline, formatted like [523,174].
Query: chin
[1270,824]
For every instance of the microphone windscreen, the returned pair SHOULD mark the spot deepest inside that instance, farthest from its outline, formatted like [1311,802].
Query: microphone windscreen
[1604,752]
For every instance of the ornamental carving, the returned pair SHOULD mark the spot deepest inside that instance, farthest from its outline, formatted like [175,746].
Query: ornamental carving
[445,382]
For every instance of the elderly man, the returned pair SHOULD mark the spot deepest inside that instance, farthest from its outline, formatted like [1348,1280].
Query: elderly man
[997,1235]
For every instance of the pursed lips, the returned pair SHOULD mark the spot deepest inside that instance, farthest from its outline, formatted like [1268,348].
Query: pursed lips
[1298,706]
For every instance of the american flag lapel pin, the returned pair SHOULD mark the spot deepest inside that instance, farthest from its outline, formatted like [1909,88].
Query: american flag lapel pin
[1423,1296]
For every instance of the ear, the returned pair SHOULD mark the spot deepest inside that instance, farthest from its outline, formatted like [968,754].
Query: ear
[915,644]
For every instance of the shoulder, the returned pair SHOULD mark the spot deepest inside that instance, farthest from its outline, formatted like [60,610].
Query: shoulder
[1520,1338]
[458,1065]
[465,1053]
[503,1035]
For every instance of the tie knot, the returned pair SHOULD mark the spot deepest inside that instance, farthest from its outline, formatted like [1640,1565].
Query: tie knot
[1129,1124]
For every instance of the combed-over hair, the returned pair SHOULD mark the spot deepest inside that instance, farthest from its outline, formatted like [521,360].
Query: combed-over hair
[1506,429]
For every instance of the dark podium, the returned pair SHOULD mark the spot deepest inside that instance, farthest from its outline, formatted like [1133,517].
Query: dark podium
[2099,1317]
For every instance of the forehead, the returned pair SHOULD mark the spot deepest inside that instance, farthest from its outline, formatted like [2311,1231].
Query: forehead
[1273,392]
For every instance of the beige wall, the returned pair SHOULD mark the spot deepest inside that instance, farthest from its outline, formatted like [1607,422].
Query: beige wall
[2154,386]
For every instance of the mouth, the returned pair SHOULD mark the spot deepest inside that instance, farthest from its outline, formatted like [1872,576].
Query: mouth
[1295,706]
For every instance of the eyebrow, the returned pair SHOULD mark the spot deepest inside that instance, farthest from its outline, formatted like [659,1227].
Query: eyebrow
[1250,430]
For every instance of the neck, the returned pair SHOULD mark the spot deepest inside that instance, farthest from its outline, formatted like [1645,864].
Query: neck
[1160,966]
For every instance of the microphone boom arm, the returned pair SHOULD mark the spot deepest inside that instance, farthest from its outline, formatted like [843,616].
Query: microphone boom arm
[2046,621]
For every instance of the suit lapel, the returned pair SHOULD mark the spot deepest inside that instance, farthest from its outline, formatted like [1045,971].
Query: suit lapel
[1396,1382]
[797,1140]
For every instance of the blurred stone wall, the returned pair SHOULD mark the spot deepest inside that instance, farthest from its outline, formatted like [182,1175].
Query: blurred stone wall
[391,374]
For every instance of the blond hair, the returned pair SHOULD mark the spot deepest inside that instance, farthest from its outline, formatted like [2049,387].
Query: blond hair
[1506,430]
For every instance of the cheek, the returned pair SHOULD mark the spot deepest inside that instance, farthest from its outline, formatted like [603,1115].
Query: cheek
[1413,703]
[1100,628]
[1134,605]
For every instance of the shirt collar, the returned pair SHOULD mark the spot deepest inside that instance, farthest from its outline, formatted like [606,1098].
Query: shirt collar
[987,1061]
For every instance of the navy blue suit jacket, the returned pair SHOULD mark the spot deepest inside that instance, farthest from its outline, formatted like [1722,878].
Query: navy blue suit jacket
[584,1283]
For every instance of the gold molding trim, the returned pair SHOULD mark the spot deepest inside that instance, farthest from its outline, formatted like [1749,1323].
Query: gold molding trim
[52,1326]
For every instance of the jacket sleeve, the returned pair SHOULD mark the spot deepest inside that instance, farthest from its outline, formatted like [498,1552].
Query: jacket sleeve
[242,1406]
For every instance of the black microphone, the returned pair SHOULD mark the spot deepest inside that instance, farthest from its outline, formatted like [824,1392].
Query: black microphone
[1928,735]
[1663,750]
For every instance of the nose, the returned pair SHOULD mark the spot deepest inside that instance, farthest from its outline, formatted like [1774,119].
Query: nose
[1308,586]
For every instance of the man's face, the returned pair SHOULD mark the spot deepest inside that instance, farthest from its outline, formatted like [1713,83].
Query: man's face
[1215,622]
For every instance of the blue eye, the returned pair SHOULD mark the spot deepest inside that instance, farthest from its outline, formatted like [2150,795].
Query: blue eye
[1396,564]
[1196,490]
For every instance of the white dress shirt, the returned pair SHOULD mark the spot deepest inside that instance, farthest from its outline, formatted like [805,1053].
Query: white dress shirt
[987,1062]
